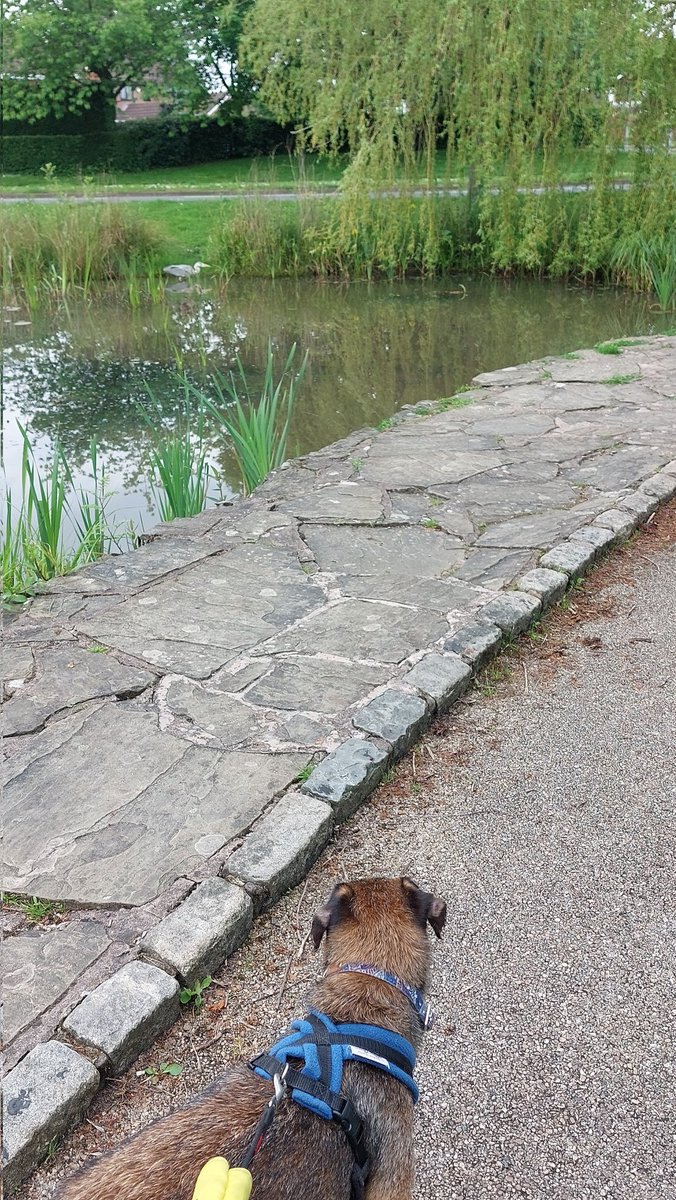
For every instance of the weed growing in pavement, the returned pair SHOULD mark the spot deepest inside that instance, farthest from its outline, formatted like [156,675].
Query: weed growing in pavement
[35,910]
[622,378]
[164,1068]
[385,424]
[306,772]
[616,347]
[431,523]
[492,676]
[194,993]
[357,464]
[456,401]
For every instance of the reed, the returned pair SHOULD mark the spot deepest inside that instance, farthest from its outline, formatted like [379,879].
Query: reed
[180,473]
[256,427]
[648,263]
[51,251]
[56,525]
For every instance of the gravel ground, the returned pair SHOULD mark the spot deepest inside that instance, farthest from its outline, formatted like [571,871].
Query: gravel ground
[542,810]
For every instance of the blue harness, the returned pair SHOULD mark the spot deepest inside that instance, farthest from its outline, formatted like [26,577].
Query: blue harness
[318,1049]
[310,1058]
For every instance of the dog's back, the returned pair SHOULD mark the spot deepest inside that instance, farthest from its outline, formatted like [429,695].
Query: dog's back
[302,1157]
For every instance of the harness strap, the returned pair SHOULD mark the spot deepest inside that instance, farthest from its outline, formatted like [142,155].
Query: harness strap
[322,1037]
[343,1111]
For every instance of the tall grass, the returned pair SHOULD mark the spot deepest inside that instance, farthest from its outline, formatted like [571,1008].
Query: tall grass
[648,263]
[257,427]
[50,251]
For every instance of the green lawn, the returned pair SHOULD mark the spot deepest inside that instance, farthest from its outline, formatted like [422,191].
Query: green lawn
[184,227]
[231,175]
[260,174]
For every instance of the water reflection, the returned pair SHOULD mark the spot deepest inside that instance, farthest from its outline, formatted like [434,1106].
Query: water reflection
[372,348]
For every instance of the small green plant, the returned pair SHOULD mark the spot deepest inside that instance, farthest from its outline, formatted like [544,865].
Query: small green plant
[52,1147]
[389,775]
[257,430]
[385,424]
[97,649]
[179,469]
[457,401]
[436,501]
[616,346]
[357,464]
[572,356]
[535,633]
[431,523]
[306,772]
[194,993]
[494,675]
[623,378]
[33,909]
[164,1068]
[49,171]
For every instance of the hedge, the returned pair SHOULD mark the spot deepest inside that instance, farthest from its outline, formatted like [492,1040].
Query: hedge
[140,145]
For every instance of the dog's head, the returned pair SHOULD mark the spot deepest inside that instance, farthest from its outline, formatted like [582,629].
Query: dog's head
[382,922]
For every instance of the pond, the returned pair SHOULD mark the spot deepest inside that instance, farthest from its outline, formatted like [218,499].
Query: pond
[84,372]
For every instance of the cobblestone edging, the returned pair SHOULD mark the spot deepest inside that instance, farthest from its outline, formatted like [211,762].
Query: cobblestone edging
[202,921]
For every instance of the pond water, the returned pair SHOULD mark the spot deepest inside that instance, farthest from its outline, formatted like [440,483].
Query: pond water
[83,372]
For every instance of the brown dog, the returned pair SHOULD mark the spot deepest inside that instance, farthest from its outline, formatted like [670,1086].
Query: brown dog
[381,922]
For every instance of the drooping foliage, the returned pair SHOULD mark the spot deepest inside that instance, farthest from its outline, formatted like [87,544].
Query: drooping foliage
[509,91]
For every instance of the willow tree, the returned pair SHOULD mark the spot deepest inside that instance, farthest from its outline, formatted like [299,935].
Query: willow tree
[507,91]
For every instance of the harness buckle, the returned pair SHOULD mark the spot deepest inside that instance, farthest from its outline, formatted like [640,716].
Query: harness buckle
[346,1115]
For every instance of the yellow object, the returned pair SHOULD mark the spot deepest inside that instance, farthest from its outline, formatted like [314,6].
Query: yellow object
[217,1181]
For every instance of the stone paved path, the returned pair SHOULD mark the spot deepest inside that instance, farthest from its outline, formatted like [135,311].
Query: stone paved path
[158,704]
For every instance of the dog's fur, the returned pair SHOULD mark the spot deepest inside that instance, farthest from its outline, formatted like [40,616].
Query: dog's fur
[379,921]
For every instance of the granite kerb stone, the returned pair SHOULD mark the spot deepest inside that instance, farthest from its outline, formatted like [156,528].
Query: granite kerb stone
[42,1098]
[347,775]
[396,716]
[441,679]
[200,933]
[281,847]
[124,1015]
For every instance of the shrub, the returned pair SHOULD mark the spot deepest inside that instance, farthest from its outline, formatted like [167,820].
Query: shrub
[140,145]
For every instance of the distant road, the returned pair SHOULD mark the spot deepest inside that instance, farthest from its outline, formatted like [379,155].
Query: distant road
[180,197]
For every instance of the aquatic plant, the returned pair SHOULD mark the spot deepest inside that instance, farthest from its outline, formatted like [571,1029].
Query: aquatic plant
[179,469]
[648,263]
[256,427]
[50,251]
[57,525]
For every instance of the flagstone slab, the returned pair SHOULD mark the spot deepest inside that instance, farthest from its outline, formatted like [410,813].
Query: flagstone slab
[397,463]
[362,630]
[491,498]
[118,810]
[220,715]
[403,551]
[67,675]
[315,685]
[195,623]
[343,503]
[40,965]
[620,468]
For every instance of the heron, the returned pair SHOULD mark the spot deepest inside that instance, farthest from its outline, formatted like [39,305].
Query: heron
[184,270]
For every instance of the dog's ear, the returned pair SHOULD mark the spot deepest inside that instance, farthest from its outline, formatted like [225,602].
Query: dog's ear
[337,906]
[425,906]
